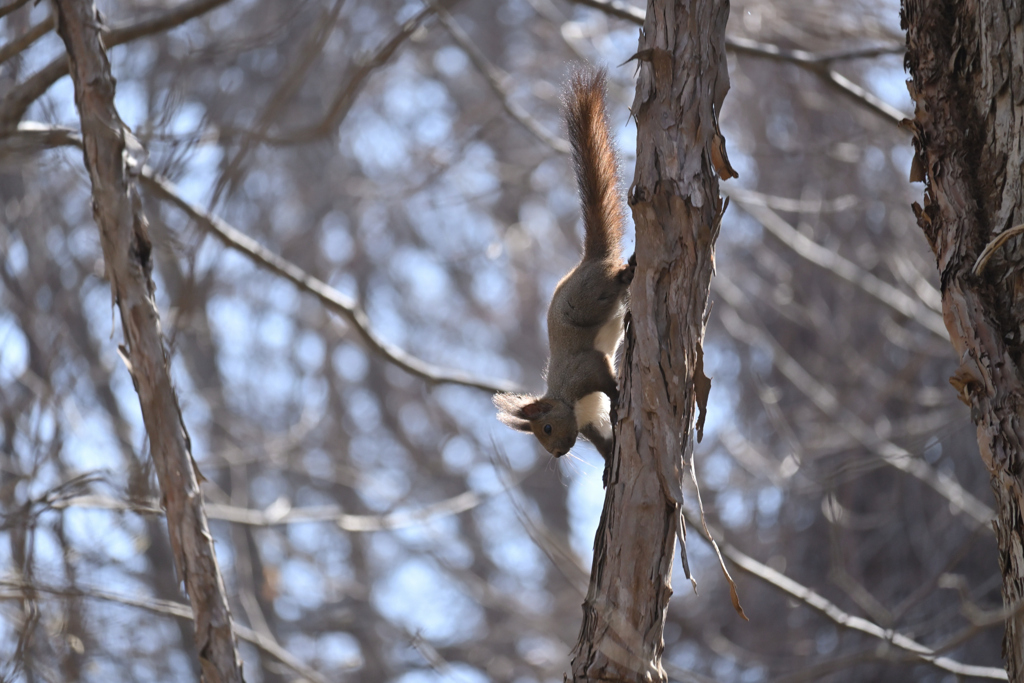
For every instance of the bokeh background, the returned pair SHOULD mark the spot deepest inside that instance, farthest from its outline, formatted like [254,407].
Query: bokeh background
[380,526]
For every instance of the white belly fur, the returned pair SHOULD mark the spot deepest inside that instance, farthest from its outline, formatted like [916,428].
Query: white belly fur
[595,409]
[608,336]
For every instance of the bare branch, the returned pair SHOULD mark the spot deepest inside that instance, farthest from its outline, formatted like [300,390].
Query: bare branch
[32,137]
[17,101]
[816,601]
[353,84]
[993,246]
[10,7]
[863,96]
[496,79]
[837,265]
[25,39]
[172,609]
[127,252]
[818,63]
[334,300]
[814,206]
[281,514]
[283,93]
[961,500]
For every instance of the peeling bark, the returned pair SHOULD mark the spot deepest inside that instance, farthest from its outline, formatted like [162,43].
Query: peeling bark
[676,205]
[117,209]
[966,60]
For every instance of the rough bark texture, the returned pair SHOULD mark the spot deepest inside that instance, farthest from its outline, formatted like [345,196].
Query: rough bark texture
[676,207]
[967,64]
[127,255]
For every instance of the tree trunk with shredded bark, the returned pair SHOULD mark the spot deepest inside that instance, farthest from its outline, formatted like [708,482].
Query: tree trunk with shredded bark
[127,251]
[677,209]
[967,64]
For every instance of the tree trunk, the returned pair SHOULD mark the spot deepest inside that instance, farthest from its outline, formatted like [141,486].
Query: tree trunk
[127,249]
[966,60]
[677,208]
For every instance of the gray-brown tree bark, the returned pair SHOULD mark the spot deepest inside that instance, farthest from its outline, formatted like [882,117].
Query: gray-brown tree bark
[967,64]
[677,209]
[117,209]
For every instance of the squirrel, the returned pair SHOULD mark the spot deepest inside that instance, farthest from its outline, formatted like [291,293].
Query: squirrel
[587,309]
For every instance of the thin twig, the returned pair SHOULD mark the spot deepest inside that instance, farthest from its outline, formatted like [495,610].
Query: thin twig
[847,270]
[281,514]
[814,206]
[993,246]
[334,300]
[816,601]
[353,85]
[818,63]
[31,137]
[822,397]
[172,609]
[496,79]
[19,98]
[863,96]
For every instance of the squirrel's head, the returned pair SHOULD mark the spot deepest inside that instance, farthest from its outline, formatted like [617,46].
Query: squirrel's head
[553,422]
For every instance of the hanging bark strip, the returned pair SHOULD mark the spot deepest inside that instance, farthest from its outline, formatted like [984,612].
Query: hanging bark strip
[966,60]
[676,205]
[117,209]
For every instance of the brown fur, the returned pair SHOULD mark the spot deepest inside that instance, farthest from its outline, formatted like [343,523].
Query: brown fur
[585,315]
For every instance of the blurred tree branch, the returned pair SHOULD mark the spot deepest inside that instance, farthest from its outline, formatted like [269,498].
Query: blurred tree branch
[842,268]
[32,137]
[497,80]
[892,454]
[166,608]
[816,601]
[817,63]
[17,101]
[127,253]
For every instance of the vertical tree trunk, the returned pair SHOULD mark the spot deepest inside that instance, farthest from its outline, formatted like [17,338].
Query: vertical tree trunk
[966,60]
[117,209]
[676,207]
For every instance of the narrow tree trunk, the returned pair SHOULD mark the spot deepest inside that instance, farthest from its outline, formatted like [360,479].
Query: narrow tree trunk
[117,209]
[676,207]
[966,59]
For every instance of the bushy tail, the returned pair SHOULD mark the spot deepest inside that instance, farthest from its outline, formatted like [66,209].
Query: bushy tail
[593,158]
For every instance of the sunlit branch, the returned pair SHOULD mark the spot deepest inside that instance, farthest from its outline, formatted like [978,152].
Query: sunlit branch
[33,137]
[282,514]
[837,265]
[892,454]
[353,84]
[496,79]
[816,601]
[334,300]
[817,63]
[16,591]
[20,97]
[289,84]
[812,206]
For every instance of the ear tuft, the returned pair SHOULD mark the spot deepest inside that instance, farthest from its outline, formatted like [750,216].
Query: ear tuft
[536,410]
[512,409]
[515,422]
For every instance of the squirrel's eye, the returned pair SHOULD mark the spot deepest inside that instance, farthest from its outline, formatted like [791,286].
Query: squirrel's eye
[547,429]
